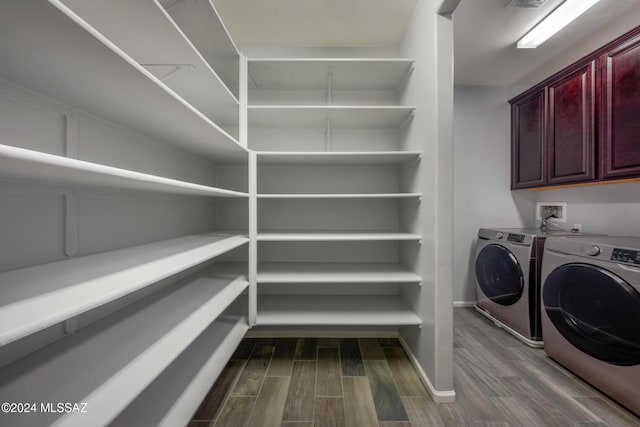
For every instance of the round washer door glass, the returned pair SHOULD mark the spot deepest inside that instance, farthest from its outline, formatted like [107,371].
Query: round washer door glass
[499,275]
[596,311]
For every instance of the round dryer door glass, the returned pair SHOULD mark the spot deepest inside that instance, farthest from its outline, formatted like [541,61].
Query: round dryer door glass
[499,275]
[596,311]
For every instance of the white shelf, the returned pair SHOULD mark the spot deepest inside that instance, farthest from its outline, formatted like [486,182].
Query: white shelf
[334,272]
[347,116]
[329,310]
[201,23]
[333,236]
[347,73]
[342,196]
[173,398]
[109,363]
[29,165]
[35,298]
[163,50]
[336,158]
[81,68]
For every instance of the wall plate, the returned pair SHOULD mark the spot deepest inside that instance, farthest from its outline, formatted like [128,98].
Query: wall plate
[560,208]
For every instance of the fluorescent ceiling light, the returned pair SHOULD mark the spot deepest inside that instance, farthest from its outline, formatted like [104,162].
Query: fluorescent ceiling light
[554,22]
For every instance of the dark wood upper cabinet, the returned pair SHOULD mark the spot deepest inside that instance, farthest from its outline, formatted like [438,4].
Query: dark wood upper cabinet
[527,140]
[620,110]
[583,123]
[571,126]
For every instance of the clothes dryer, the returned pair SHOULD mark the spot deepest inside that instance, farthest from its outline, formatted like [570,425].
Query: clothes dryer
[591,312]
[507,267]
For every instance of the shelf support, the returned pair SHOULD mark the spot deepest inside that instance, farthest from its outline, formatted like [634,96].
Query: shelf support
[71,136]
[174,69]
[71,223]
[406,76]
[328,134]
[406,121]
[71,326]
[329,85]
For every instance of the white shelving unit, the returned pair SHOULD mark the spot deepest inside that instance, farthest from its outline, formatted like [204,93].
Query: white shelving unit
[329,310]
[355,192]
[149,336]
[117,292]
[165,51]
[29,165]
[334,272]
[129,95]
[35,298]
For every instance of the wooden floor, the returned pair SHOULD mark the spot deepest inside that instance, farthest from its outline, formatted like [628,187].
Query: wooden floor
[499,381]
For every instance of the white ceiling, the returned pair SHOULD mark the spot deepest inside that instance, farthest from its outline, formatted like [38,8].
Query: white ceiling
[316,23]
[485,32]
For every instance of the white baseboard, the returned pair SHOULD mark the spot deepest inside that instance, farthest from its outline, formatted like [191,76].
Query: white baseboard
[438,396]
[464,304]
[302,333]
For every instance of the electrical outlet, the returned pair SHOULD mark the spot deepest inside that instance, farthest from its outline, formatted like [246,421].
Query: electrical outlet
[557,209]
[577,228]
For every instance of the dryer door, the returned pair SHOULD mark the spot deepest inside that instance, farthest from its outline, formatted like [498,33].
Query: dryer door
[596,311]
[499,274]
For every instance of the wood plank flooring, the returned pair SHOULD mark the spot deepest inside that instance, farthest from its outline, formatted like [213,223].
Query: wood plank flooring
[329,382]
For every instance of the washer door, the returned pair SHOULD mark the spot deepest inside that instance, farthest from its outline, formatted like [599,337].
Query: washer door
[596,311]
[499,274]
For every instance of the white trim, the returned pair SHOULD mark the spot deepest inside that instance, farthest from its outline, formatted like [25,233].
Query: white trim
[499,324]
[438,396]
[463,304]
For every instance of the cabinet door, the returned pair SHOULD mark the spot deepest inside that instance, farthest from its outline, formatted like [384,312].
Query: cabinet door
[620,114]
[570,138]
[527,141]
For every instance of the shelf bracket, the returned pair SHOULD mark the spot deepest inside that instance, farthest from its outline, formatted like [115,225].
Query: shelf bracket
[406,76]
[71,326]
[406,121]
[174,69]
[71,224]
[174,4]
[328,130]
[329,85]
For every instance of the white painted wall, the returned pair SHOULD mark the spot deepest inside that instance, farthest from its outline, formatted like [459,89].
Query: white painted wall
[482,176]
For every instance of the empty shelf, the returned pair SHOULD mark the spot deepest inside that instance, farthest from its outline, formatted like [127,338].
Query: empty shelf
[19,163]
[341,116]
[175,395]
[76,65]
[109,363]
[35,298]
[347,236]
[163,50]
[334,272]
[325,310]
[342,196]
[336,158]
[346,73]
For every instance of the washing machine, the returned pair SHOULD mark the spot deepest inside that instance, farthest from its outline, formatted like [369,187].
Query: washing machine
[591,312]
[507,267]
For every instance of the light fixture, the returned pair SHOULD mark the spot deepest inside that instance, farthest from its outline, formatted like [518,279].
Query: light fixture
[554,22]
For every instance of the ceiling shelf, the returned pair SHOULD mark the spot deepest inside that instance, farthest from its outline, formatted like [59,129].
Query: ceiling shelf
[29,165]
[334,236]
[141,341]
[35,298]
[78,66]
[346,73]
[329,310]
[347,116]
[355,158]
[334,272]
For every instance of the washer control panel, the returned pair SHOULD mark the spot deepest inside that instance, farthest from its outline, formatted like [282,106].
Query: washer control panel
[515,238]
[625,255]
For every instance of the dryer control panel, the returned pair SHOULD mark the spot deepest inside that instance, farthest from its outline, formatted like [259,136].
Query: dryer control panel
[625,255]
[515,238]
